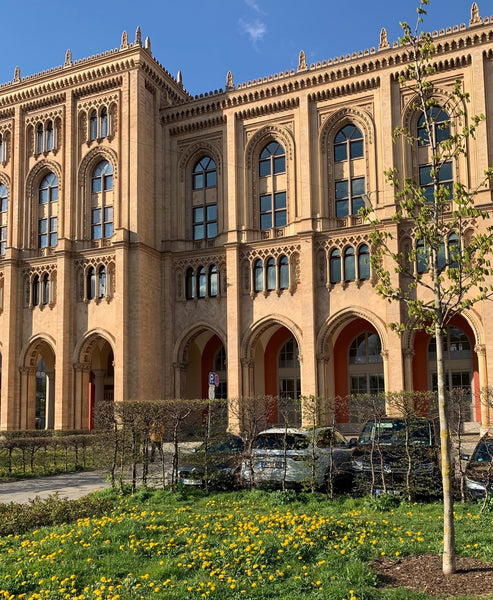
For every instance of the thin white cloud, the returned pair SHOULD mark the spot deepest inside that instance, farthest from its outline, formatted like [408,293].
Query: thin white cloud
[255,30]
[253,4]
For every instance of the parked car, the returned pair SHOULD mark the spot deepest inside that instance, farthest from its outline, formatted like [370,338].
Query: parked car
[299,456]
[397,456]
[223,458]
[479,469]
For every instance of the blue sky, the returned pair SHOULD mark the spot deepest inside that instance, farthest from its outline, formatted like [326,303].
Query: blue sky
[207,38]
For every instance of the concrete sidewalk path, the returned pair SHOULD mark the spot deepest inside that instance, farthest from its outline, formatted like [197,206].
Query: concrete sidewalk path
[68,485]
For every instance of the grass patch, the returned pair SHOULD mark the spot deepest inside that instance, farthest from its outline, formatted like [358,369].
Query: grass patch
[229,545]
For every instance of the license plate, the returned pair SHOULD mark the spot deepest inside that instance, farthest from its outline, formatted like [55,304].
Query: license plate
[187,481]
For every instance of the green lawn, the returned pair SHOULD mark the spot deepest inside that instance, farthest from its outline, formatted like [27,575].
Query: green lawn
[230,545]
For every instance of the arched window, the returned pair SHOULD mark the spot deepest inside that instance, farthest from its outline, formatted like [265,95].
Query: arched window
[4,197]
[201,283]
[46,289]
[273,205]
[91,283]
[213,281]
[348,143]
[204,199]
[350,180]
[49,136]
[272,160]
[102,214]
[102,281]
[271,274]
[283,273]
[365,367]
[349,264]
[439,125]
[47,219]
[189,284]
[93,125]
[102,177]
[453,250]
[104,123]
[48,189]
[364,262]
[35,291]
[39,138]
[258,275]
[335,266]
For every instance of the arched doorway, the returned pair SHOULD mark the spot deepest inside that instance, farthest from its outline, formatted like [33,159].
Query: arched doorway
[37,405]
[358,368]
[94,383]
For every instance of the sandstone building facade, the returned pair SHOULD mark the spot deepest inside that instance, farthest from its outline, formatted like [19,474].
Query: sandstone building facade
[148,237]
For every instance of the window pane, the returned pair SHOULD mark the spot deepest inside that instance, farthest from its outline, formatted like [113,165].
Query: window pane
[341,189]
[266,221]
[358,204]
[108,182]
[198,215]
[108,230]
[198,232]
[358,186]
[212,212]
[96,185]
[43,225]
[54,194]
[357,149]
[445,172]
[265,203]
[342,208]
[364,263]
[349,265]
[280,200]
[340,152]
[335,266]
[211,179]
[108,214]
[43,196]
[258,276]
[211,230]
[281,218]
[271,274]
[279,164]
[213,281]
[284,273]
[198,181]
[425,175]
[264,168]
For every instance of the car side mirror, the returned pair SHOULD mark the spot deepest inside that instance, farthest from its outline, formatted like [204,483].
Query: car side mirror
[465,456]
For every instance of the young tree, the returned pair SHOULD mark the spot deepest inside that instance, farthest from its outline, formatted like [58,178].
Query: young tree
[448,268]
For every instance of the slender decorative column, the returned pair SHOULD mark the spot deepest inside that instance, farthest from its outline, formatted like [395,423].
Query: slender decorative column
[248,382]
[408,370]
[50,400]
[180,370]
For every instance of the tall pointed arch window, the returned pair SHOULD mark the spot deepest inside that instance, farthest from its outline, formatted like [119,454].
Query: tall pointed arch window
[103,118]
[283,273]
[4,202]
[91,283]
[50,137]
[201,283]
[363,262]
[48,211]
[335,266]
[349,171]
[213,281]
[270,267]
[93,125]
[35,291]
[46,289]
[204,199]
[189,284]
[349,264]
[102,289]
[272,185]
[102,200]
[258,275]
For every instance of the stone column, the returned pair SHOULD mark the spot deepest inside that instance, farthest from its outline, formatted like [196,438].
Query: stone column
[80,418]
[27,415]
[50,400]
[408,370]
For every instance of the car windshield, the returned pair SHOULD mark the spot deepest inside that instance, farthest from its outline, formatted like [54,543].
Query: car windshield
[229,445]
[395,433]
[483,452]
[276,441]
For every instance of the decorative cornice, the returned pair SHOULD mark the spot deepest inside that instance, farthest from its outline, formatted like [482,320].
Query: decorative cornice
[198,125]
